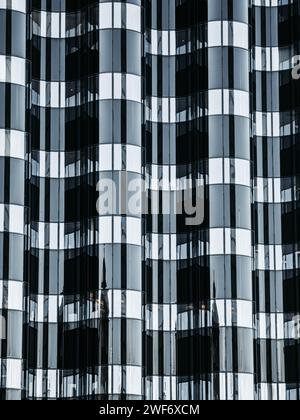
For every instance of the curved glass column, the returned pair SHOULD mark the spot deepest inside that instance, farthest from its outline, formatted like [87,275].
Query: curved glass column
[14,167]
[85,299]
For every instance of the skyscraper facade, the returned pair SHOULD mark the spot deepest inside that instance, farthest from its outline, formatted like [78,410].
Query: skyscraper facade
[98,98]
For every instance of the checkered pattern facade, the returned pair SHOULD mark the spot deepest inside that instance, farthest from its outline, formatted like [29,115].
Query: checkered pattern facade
[133,307]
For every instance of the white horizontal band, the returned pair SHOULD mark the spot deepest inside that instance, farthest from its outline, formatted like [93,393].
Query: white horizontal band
[55,308]
[270,257]
[12,219]
[268,190]
[230,242]
[228,102]
[267,124]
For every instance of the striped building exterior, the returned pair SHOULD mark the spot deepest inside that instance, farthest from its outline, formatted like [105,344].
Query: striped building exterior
[146,307]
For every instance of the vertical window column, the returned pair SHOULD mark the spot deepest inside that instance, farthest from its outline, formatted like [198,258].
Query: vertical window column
[230,234]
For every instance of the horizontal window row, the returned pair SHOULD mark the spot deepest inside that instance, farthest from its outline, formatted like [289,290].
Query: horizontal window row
[275,257]
[107,51]
[175,43]
[12,376]
[107,86]
[273,292]
[290,148]
[272,191]
[76,199]
[167,282]
[94,344]
[229,171]
[229,136]
[70,6]
[222,241]
[12,346]
[239,386]
[267,124]
[285,18]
